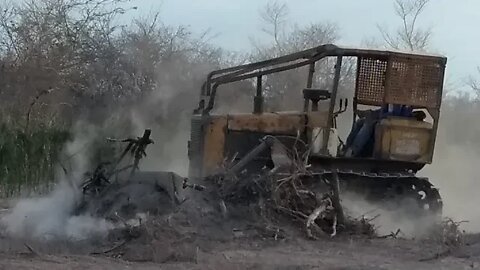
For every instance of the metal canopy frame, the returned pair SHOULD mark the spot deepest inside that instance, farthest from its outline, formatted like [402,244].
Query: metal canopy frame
[310,57]
[383,77]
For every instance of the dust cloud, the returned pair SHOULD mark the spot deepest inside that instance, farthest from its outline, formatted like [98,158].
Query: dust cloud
[169,151]
[387,222]
[51,217]
[454,172]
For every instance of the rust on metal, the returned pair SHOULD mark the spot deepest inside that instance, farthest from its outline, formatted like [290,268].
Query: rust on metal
[214,143]
[371,77]
[267,123]
[399,79]
[414,81]
[313,55]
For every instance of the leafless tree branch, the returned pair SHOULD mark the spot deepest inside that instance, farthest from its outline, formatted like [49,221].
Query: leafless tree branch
[474,83]
[409,36]
[274,14]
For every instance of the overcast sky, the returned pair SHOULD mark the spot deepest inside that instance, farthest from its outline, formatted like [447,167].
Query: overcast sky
[455,23]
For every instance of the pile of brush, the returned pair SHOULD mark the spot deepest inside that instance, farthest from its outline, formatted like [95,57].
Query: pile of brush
[290,190]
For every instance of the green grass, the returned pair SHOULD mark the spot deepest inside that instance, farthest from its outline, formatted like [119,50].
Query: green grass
[28,159]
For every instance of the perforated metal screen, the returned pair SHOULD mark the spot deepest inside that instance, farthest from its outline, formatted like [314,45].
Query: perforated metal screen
[371,76]
[400,79]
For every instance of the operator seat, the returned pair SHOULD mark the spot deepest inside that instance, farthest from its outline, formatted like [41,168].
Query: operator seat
[314,96]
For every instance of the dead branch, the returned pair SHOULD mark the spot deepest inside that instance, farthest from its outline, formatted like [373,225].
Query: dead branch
[336,198]
[32,251]
[287,189]
[451,233]
[321,211]
[392,235]
[32,104]
[293,213]
[194,186]
[121,244]
[38,255]
[408,35]
[311,219]
[334,226]
[372,219]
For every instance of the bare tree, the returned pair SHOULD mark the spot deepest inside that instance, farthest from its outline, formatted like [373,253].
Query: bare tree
[408,36]
[274,15]
[55,51]
[282,90]
[474,84]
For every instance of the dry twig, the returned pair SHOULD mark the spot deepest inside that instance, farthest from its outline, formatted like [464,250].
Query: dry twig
[32,251]
[121,244]
[451,233]
[393,235]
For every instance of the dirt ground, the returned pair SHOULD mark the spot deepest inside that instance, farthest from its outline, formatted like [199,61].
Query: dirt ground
[296,254]
[195,236]
[198,243]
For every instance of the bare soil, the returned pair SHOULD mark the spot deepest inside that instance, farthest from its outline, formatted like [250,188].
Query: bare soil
[197,236]
[203,241]
[345,253]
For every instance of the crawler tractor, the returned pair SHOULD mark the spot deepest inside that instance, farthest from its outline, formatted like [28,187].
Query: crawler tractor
[395,108]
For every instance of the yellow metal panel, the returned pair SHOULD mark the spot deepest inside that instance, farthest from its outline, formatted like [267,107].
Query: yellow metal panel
[409,144]
[267,122]
[382,142]
[404,139]
[214,144]
[405,122]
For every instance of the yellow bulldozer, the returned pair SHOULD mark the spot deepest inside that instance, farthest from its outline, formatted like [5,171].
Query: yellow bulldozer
[395,110]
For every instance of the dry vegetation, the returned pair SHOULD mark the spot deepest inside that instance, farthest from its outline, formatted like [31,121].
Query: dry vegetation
[69,69]
[65,61]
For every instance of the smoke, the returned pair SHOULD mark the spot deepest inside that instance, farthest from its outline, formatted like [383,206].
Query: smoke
[51,217]
[170,136]
[169,125]
[164,110]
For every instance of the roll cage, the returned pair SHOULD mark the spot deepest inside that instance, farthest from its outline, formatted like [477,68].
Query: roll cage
[382,77]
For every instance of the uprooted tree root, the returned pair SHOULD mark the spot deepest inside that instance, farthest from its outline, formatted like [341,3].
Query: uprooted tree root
[293,192]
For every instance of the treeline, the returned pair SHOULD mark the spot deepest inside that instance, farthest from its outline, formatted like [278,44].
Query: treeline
[65,61]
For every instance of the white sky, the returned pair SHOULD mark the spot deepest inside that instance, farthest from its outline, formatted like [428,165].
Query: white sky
[454,23]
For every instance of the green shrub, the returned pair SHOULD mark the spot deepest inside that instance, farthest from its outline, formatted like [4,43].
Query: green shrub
[28,158]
